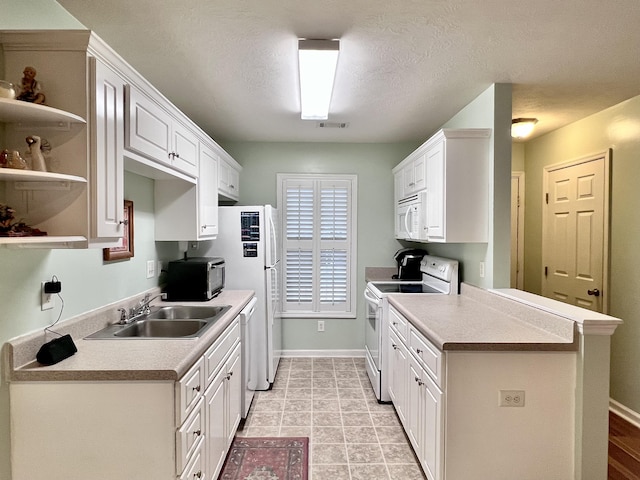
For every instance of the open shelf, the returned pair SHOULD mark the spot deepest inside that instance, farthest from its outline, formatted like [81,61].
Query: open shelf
[14,175]
[44,241]
[14,111]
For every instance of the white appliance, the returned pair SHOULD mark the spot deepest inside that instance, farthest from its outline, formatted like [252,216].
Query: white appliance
[248,365]
[248,242]
[411,217]
[439,277]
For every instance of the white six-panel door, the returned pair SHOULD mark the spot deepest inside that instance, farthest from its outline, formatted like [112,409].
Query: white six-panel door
[575,233]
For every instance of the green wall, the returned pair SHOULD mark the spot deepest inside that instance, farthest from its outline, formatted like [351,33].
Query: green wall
[617,128]
[491,109]
[87,283]
[372,163]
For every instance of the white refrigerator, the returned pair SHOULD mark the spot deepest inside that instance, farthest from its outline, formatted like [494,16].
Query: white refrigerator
[248,242]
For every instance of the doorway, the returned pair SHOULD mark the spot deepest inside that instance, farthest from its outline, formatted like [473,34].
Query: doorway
[575,232]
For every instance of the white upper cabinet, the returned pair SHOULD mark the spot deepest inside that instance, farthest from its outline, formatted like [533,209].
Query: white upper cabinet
[452,168]
[107,132]
[208,192]
[152,132]
[228,179]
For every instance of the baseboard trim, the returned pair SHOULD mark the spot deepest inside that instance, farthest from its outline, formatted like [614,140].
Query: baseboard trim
[624,412]
[322,353]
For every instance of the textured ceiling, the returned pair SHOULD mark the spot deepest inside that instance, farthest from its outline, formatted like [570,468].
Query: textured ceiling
[405,66]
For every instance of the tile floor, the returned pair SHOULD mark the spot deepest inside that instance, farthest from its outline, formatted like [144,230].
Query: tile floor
[330,400]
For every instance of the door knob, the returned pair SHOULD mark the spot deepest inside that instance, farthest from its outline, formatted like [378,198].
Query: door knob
[595,292]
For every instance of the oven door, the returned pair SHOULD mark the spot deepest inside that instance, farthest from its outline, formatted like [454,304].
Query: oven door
[373,327]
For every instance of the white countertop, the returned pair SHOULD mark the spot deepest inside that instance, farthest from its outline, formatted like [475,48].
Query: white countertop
[478,319]
[126,359]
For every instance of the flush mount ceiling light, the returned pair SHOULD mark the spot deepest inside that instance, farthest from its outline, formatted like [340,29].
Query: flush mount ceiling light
[318,60]
[522,127]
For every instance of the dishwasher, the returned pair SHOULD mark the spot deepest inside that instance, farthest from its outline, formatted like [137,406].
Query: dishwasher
[248,360]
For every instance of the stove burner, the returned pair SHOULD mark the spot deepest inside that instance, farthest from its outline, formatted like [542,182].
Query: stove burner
[405,288]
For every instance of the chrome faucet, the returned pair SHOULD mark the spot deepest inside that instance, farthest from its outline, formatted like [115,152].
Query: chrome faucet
[143,308]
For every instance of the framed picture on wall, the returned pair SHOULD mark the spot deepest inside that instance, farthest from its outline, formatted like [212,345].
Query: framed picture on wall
[126,249]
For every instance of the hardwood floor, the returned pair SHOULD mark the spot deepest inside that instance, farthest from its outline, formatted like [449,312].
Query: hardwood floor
[624,449]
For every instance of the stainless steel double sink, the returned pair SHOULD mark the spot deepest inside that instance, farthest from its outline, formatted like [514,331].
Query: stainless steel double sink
[165,322]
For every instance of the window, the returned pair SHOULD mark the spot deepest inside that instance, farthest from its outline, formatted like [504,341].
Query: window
[319,238]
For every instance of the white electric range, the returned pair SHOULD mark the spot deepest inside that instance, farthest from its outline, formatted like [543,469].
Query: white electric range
[439,277]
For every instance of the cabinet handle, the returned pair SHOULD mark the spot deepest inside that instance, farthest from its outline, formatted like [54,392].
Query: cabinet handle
[229,375]
[123,222]
[418,351]
[197,475]
[197,389]
[394,323]
[197,433]
[595,292]
[419,381]
[204,227]
[395,347]
[232,187]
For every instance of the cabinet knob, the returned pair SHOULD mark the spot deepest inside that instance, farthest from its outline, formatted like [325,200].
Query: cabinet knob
[123,222]
[197,433]
[197,475]
[419,381]
[197,388]
[394,323]
[395,347]
[595,292]
[418,351]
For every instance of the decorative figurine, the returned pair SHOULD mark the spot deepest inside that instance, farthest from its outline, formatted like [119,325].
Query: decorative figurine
[6,218]
[30,88]
[37,159]
[16,161]
[4,158]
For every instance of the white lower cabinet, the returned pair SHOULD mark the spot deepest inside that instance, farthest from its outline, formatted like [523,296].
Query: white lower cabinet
[160,430]
[398,377]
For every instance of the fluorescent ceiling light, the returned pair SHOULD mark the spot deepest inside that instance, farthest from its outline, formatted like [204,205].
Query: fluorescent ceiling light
[318,60]
[522,127]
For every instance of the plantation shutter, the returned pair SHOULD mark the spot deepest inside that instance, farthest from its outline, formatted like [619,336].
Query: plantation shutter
[318,245]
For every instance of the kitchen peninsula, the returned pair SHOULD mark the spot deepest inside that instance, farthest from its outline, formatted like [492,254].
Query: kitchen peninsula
[460,364]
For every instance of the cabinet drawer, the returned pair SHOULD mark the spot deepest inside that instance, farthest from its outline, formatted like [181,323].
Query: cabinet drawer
[189,436]
[196,468]
[399,324]
[220,349]
[189,389]
[430,356]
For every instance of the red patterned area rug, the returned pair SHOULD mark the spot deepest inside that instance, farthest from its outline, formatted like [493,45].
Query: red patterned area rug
[267,458]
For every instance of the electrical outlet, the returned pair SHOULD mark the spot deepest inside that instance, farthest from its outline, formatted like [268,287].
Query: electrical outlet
[511,398]
[193,245]
[46,299]
[321,325]
[151,268]
[481,269]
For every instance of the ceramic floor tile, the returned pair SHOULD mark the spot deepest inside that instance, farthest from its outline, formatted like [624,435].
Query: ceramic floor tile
[299,393]
[364,453]
[356,419]
[299,383]
[352,393]
[351,405]
[328,373]
[406,472]
[324,405]
[360,435]
[327,419]
[370,472]
[325,393]
[298,374]
[298,405]
[391,435]
[330,472]
[398,453]
[327,435]
[263,432]
[295,431]
[269,405]
[264,419]
[296,419]
[328,453]
[323,383]
[389,419]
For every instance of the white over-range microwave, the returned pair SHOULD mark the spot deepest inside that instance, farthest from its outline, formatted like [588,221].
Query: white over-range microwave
[411,217]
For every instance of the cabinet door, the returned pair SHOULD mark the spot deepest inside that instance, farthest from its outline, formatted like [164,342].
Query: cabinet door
[413,426]
[233,394]
[234,183]
[107,176]
[148,129]
[184,149]
[408,179]
[436,192]
[398,379]
[398,187]
[432,428]
[419,173]
[216,437]
[208,193]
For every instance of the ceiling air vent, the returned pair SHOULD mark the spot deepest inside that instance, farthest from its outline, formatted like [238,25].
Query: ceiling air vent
[332,124]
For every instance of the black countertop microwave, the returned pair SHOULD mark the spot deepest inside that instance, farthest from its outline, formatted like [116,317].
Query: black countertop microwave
[195,278]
